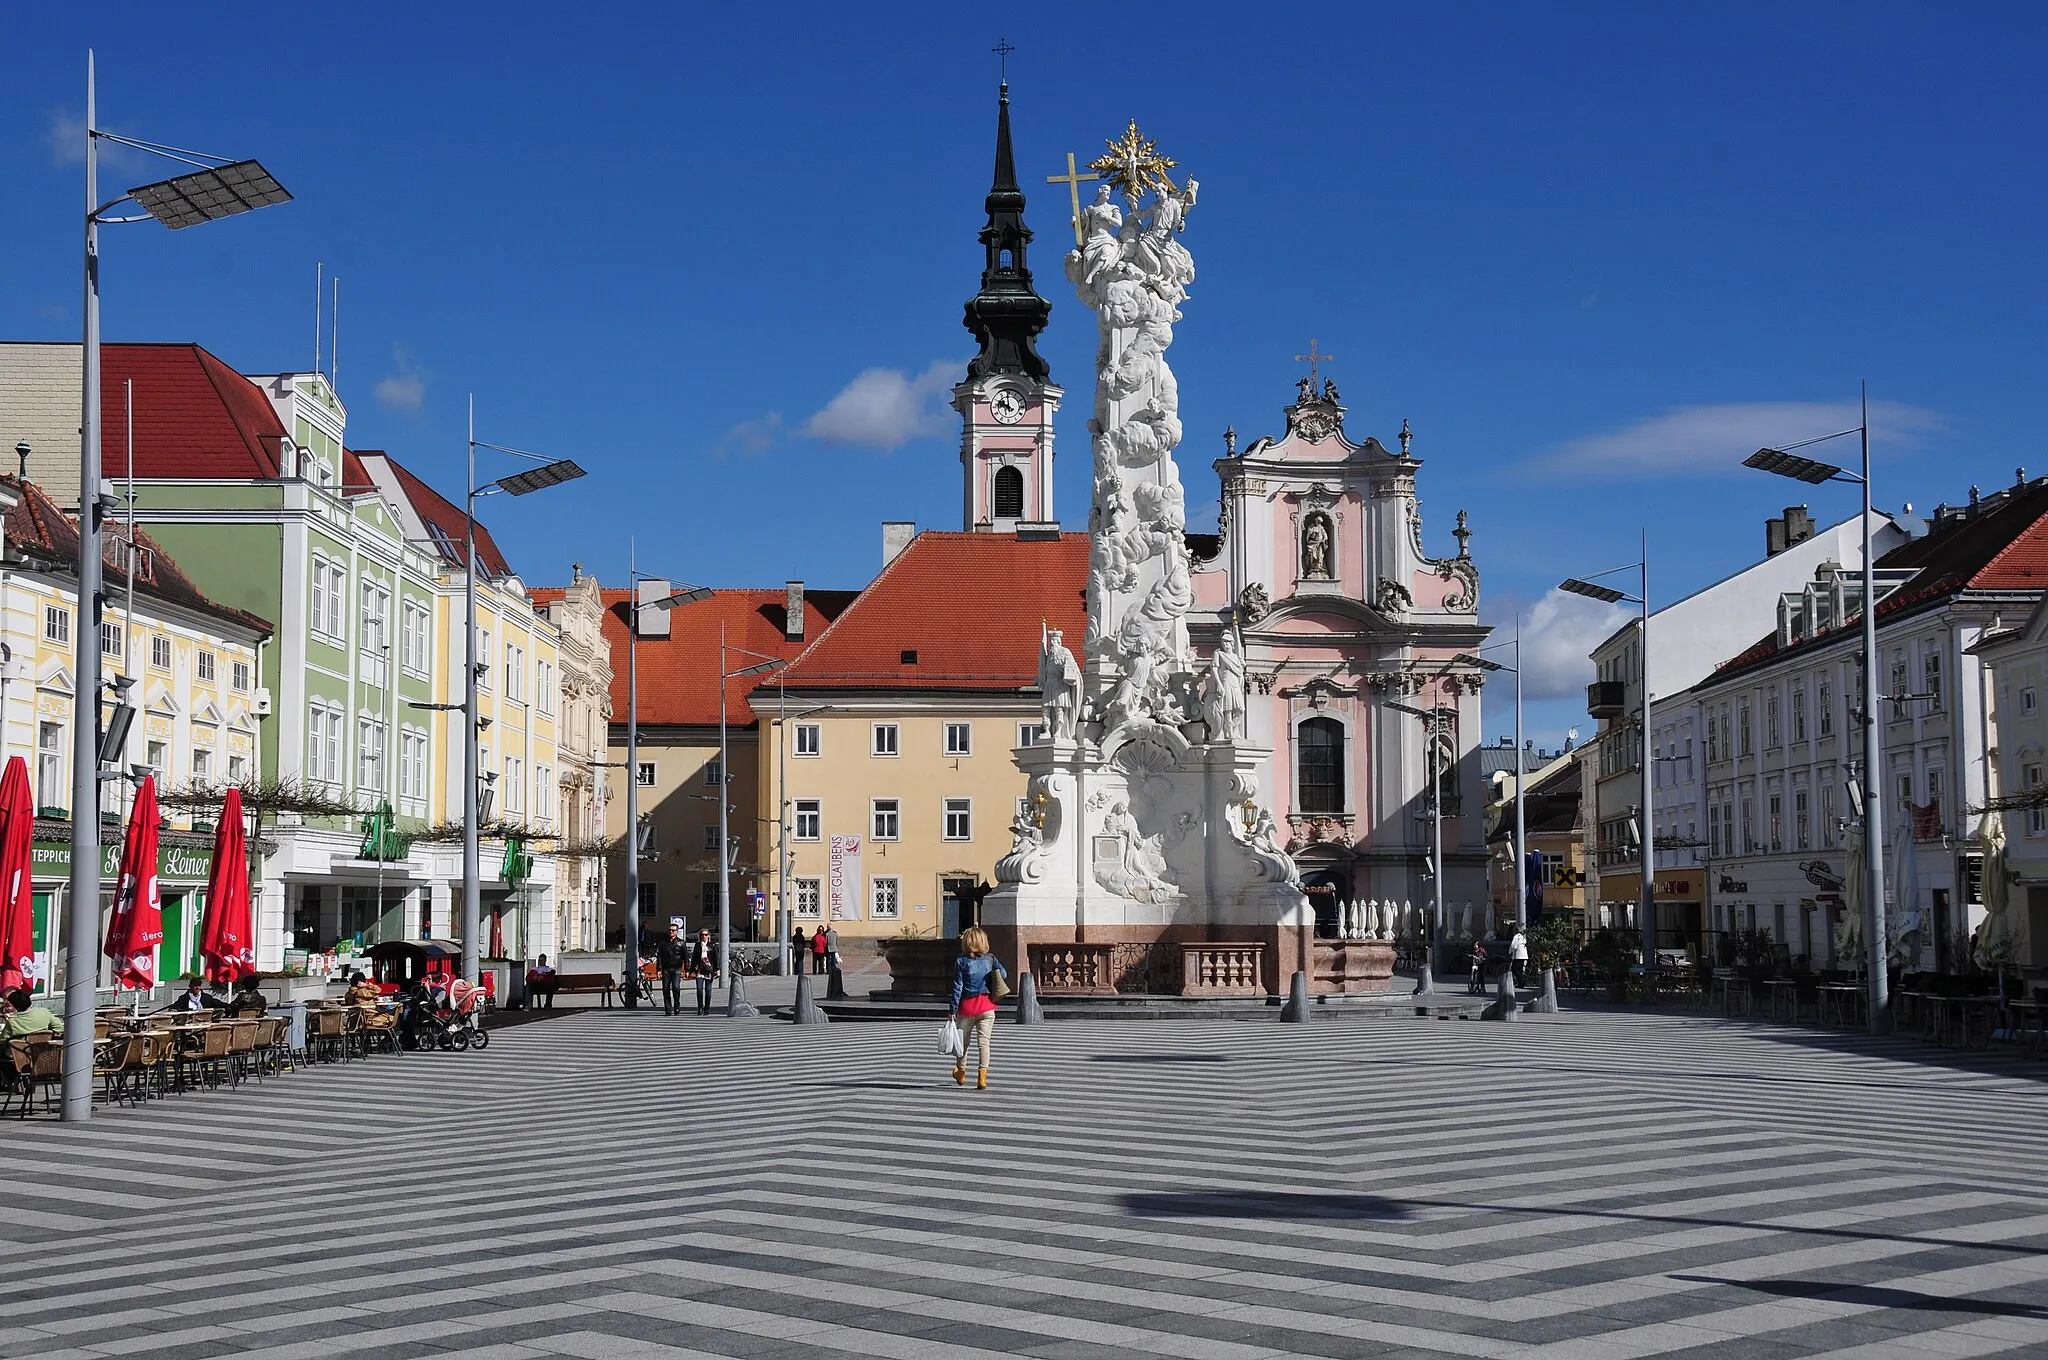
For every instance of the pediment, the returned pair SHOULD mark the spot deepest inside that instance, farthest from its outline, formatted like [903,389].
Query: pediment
[54,675]
[1300,614]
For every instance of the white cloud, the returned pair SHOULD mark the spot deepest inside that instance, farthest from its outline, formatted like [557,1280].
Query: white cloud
[65,136]
[1712,441]
[406,387]
[751,436]
[1559,634]
[884,408]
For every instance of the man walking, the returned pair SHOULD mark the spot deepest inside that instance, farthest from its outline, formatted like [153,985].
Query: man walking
[1518,955]
[704,967]
[669,958]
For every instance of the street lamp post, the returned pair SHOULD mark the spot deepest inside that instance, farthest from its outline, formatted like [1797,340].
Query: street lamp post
[630,946]
[217,188]
[1427,982]
[1813,472]
[1521,774]
[550,472]
[725,846]
[1646,836]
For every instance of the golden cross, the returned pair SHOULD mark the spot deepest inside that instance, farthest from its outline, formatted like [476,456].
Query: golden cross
[1072,179]
[1312,359]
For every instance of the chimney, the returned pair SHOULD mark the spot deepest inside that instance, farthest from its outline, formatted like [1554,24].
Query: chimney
[1798,525]
[651,623]
[1774,537]
[896,536]
[793,612]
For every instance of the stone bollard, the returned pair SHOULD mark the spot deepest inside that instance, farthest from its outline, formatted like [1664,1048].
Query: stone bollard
[807,1010]
[1029,1012]
[835,983]
[1505,1005]
[1296,1012]
[736,1007]
[1546,999]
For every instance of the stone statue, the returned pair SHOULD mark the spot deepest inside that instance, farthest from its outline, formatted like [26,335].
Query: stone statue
[1223,704]
[1101,222]
[1315,548]
[1059,687]
[1330,392]
[1305,392]
[1264,833]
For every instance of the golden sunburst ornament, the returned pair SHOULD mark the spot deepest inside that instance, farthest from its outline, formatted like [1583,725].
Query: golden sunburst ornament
[1134,166]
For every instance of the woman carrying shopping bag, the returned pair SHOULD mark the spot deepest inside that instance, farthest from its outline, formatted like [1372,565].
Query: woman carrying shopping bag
[978,983]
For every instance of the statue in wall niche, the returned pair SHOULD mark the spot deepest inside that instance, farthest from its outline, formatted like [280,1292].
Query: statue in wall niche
[1223,691]
[1315,547]
[1059,686]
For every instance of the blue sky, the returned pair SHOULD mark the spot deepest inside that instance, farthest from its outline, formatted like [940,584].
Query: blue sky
[1595,253]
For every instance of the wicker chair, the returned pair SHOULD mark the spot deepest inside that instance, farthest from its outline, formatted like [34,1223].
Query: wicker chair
[130,1068]
[272,1054]
[32,1063]
[325,1038]
[242,1035]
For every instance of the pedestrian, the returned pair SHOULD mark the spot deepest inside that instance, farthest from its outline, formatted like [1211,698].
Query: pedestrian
[540,984]
[704,967]
[195,997]
[670,958]
[820,942]
[799,945]
[25,1017]
[976,986]
[831,949]
[1518,955]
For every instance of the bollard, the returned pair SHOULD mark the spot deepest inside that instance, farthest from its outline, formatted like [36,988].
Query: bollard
[1546,1000]
[1029,1012]
[835,983]
[1505,1005]
[1295,1012]
[736,1007]
[807,1010]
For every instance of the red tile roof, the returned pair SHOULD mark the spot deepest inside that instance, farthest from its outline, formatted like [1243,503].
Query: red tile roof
[443,518]
[679,673]
[194,415]
[1999,544]
[40,531]
[966,606]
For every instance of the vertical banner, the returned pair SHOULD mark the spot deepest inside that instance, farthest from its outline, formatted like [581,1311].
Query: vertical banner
[846,879]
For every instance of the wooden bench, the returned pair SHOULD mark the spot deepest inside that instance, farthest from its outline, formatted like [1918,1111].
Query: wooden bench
[582,984]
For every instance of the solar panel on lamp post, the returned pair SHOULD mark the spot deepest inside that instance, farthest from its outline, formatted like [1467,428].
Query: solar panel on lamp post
[1784,463]
[216,188]
[630,936]
[1646,835]
[552,473]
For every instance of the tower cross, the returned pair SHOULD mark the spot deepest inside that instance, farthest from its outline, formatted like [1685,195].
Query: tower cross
[1073,179]
[1003,49]
[1312,359]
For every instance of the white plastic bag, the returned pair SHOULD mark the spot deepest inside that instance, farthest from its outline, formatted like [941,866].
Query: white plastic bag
[951,1042]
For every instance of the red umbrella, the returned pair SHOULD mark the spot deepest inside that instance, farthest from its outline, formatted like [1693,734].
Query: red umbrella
[17,897]
[138,924]
[227,944]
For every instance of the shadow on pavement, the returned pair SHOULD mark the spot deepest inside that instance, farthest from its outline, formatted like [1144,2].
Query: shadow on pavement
[1876,1296]
[1158,1057]
[1282,1205]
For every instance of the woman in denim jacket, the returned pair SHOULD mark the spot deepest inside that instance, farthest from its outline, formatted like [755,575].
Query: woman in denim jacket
[973,1007]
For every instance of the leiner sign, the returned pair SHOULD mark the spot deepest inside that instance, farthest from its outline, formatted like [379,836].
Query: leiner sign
[174,863]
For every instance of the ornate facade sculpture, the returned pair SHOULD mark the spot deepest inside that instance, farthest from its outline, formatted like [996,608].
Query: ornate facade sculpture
[1223,691]
[1059,687]
[1315,547]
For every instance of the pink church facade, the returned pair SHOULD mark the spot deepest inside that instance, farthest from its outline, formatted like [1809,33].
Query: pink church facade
[1342,614]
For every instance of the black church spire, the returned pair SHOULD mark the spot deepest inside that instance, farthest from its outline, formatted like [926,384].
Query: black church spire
[1006,313]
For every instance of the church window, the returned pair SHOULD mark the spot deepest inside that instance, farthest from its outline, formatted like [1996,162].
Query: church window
[1319,745]
[1444,733]
[1008,497]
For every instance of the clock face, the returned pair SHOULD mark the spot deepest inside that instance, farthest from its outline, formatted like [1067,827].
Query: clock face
[1007,407]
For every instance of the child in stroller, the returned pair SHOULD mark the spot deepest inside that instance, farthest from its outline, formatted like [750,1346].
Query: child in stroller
[443,1013]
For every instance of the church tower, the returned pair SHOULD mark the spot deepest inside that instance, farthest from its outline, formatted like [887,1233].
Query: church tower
[1006,402]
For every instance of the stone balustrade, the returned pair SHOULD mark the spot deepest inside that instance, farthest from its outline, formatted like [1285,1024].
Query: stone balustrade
[1226,969]
[1073,969]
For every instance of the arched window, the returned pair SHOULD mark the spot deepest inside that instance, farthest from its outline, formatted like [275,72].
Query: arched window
[1319,751]
[1009,494]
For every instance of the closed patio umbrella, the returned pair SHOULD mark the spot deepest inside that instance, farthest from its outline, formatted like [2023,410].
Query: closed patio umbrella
[17,896]
[227,942]
[138,924]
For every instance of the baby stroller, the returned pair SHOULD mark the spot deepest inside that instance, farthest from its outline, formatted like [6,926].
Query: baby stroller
[448,1017]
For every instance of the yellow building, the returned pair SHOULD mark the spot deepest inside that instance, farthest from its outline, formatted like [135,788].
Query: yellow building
[578,612]
[188,666]
[900,786]
[519,699]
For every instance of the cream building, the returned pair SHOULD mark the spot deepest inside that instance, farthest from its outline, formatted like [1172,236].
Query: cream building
[578,611]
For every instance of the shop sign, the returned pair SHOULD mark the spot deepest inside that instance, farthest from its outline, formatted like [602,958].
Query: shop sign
[1821,874]
[1734,885]
[52,859]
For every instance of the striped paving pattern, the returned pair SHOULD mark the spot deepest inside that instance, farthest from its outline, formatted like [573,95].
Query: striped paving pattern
[603,1184]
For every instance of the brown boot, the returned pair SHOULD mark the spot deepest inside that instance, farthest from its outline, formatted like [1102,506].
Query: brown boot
[959,1074]
[981,1080]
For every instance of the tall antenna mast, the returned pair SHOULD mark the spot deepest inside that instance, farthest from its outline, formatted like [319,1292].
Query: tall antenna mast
[334,350]
[319,268]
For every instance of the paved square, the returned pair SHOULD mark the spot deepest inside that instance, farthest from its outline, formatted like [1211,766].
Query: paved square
[606,1184]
